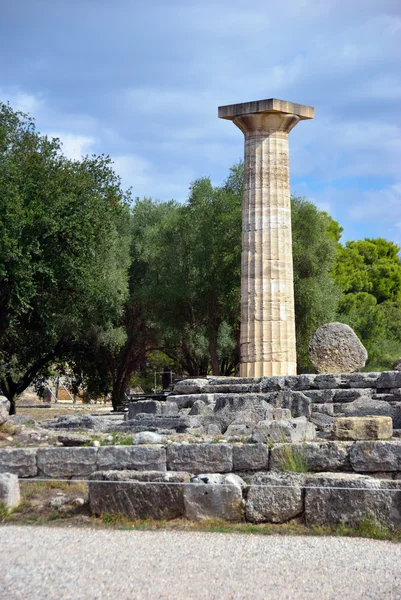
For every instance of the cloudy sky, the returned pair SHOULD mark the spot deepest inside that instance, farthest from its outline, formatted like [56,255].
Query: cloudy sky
[141,81]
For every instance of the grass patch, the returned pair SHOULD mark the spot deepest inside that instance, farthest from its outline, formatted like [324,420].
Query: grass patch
[293,460]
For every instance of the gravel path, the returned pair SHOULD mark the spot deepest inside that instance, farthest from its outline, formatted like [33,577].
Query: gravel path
[84,564]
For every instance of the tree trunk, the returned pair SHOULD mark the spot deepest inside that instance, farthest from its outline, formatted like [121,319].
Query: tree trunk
[12,404]
[213,357]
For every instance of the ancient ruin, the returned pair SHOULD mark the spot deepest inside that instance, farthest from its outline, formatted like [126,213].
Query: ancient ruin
[267,289]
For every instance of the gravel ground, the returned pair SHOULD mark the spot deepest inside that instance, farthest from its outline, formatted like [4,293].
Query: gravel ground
[82,564]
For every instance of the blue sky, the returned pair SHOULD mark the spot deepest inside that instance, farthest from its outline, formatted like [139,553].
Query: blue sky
[141,81]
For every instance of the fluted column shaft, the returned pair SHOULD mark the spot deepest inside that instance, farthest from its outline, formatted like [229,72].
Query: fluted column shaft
[267,339]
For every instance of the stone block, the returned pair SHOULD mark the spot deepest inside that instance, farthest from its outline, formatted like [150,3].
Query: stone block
[191,386]
[349,395]
[146,495]
[291,430]
[320,396]
[66,462]
[152,407]
[200,458]
[275,497]
[389,379]
[318,456]
[9,490]
[241,409]
[300,382]
[327,381]
[215,499]
[349,499]
[365,408]
[360,380]
[187,400]
[20,461]
[250,457]
[271,384]
[325,409]
[136,458]
[147,437]
[297,402]
[147,422]
[363,428]
[376,456]
[201,408]
[322,421]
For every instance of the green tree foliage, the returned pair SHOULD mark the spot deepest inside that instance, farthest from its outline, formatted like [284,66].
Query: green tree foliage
[314,252]
[63,250]
[369,274]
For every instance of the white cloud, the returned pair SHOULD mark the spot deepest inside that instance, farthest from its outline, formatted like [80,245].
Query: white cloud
[74,146]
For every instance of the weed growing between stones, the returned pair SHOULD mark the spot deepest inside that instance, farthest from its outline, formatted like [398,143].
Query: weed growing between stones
[293,459]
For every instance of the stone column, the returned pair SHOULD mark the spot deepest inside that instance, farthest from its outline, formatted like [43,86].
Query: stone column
[267,284]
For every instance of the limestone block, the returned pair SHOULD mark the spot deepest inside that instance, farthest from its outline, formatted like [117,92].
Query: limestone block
[272,384]
[320,396]
[9,490]
[241,408]
[322,421]
[361,380]
[79,422]
[214,497]
[350,395]
[147,422]
[349,499]
[291,430]
[201,408]
[187,400]
[364,408]
[74,439]
[147,437]
[138,458]
[376,456]
[297,402]
[300,382]
[363,428]
[144,406]
[275,497]
[191,386]
[4,408]
[250,457]
[66,462]
[335,348]
[200,458]
[325,409]
[328,381]
[318,456]
[20,461]
[148,495]
[389,379]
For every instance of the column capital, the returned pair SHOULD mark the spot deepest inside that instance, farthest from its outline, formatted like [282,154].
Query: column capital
[264,117]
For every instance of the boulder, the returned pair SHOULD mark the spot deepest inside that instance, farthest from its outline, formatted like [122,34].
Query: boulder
[9,490]
[66,462]
[363,428]
[200,458]
[138,458]
[335,348]
[376,456]
[20,461]
[147,437]
[4,409]
[146,495]
[275,497]
[212,496]
[250,457]
[290,430]
[317,456]
[350,499]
